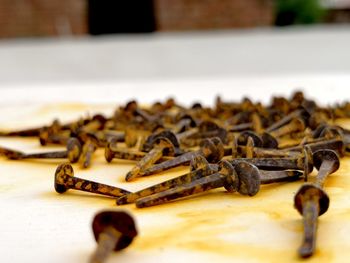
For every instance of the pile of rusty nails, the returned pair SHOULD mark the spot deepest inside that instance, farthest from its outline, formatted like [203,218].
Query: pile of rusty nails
[238,146]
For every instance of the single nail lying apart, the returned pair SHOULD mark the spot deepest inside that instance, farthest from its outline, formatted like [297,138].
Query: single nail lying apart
[311,200]
[113,231]
[65,179]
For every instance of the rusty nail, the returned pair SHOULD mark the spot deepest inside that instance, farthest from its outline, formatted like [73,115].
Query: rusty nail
[65,179]
[312,201]
[199,168]
[243,178]
[211,149]
[113,231]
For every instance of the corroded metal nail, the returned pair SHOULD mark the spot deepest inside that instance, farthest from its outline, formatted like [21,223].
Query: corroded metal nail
[236,150]
[311,200]
[257,123]
[244,178]
[332,144]
[186,134]
[269,141]
[90,145]
[264,140]
[199,168]
[301,161]
[73,152]
[257,152]
[112,151]
[211,149]
[113,231]
[199,162]
[243,138]
[205,129]
[162,146]
[105,136]
[11,153]
[249,148]
[240,127]
[65,179]
[275,163]
[150,140]
[295,125]
[269,177]
[181,126]
[53,134]
[132,136]
[285,120]
[97,122]
[31,132]
[232,148]
[299,144]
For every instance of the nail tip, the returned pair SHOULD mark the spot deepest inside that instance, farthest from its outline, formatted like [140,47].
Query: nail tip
[128,177]
[305,252]
[118,202]
[122,200]
[131,176]
[140,205]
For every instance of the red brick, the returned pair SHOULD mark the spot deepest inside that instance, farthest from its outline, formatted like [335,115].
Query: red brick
[26,18]
[212,14]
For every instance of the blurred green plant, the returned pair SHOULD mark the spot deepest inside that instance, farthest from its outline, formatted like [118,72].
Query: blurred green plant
[289,12]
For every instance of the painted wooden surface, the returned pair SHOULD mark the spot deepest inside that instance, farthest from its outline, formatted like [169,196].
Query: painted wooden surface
[37,224]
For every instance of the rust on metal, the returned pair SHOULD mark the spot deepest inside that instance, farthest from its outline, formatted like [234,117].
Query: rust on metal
[211,149]
[243,178]
[113,231]
[200,172]
[161,147]
[65,180]
[311,200]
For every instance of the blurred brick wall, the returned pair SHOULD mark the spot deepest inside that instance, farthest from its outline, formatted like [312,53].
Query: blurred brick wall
[22,18]
[212,14]
[338,16]
[28,18]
